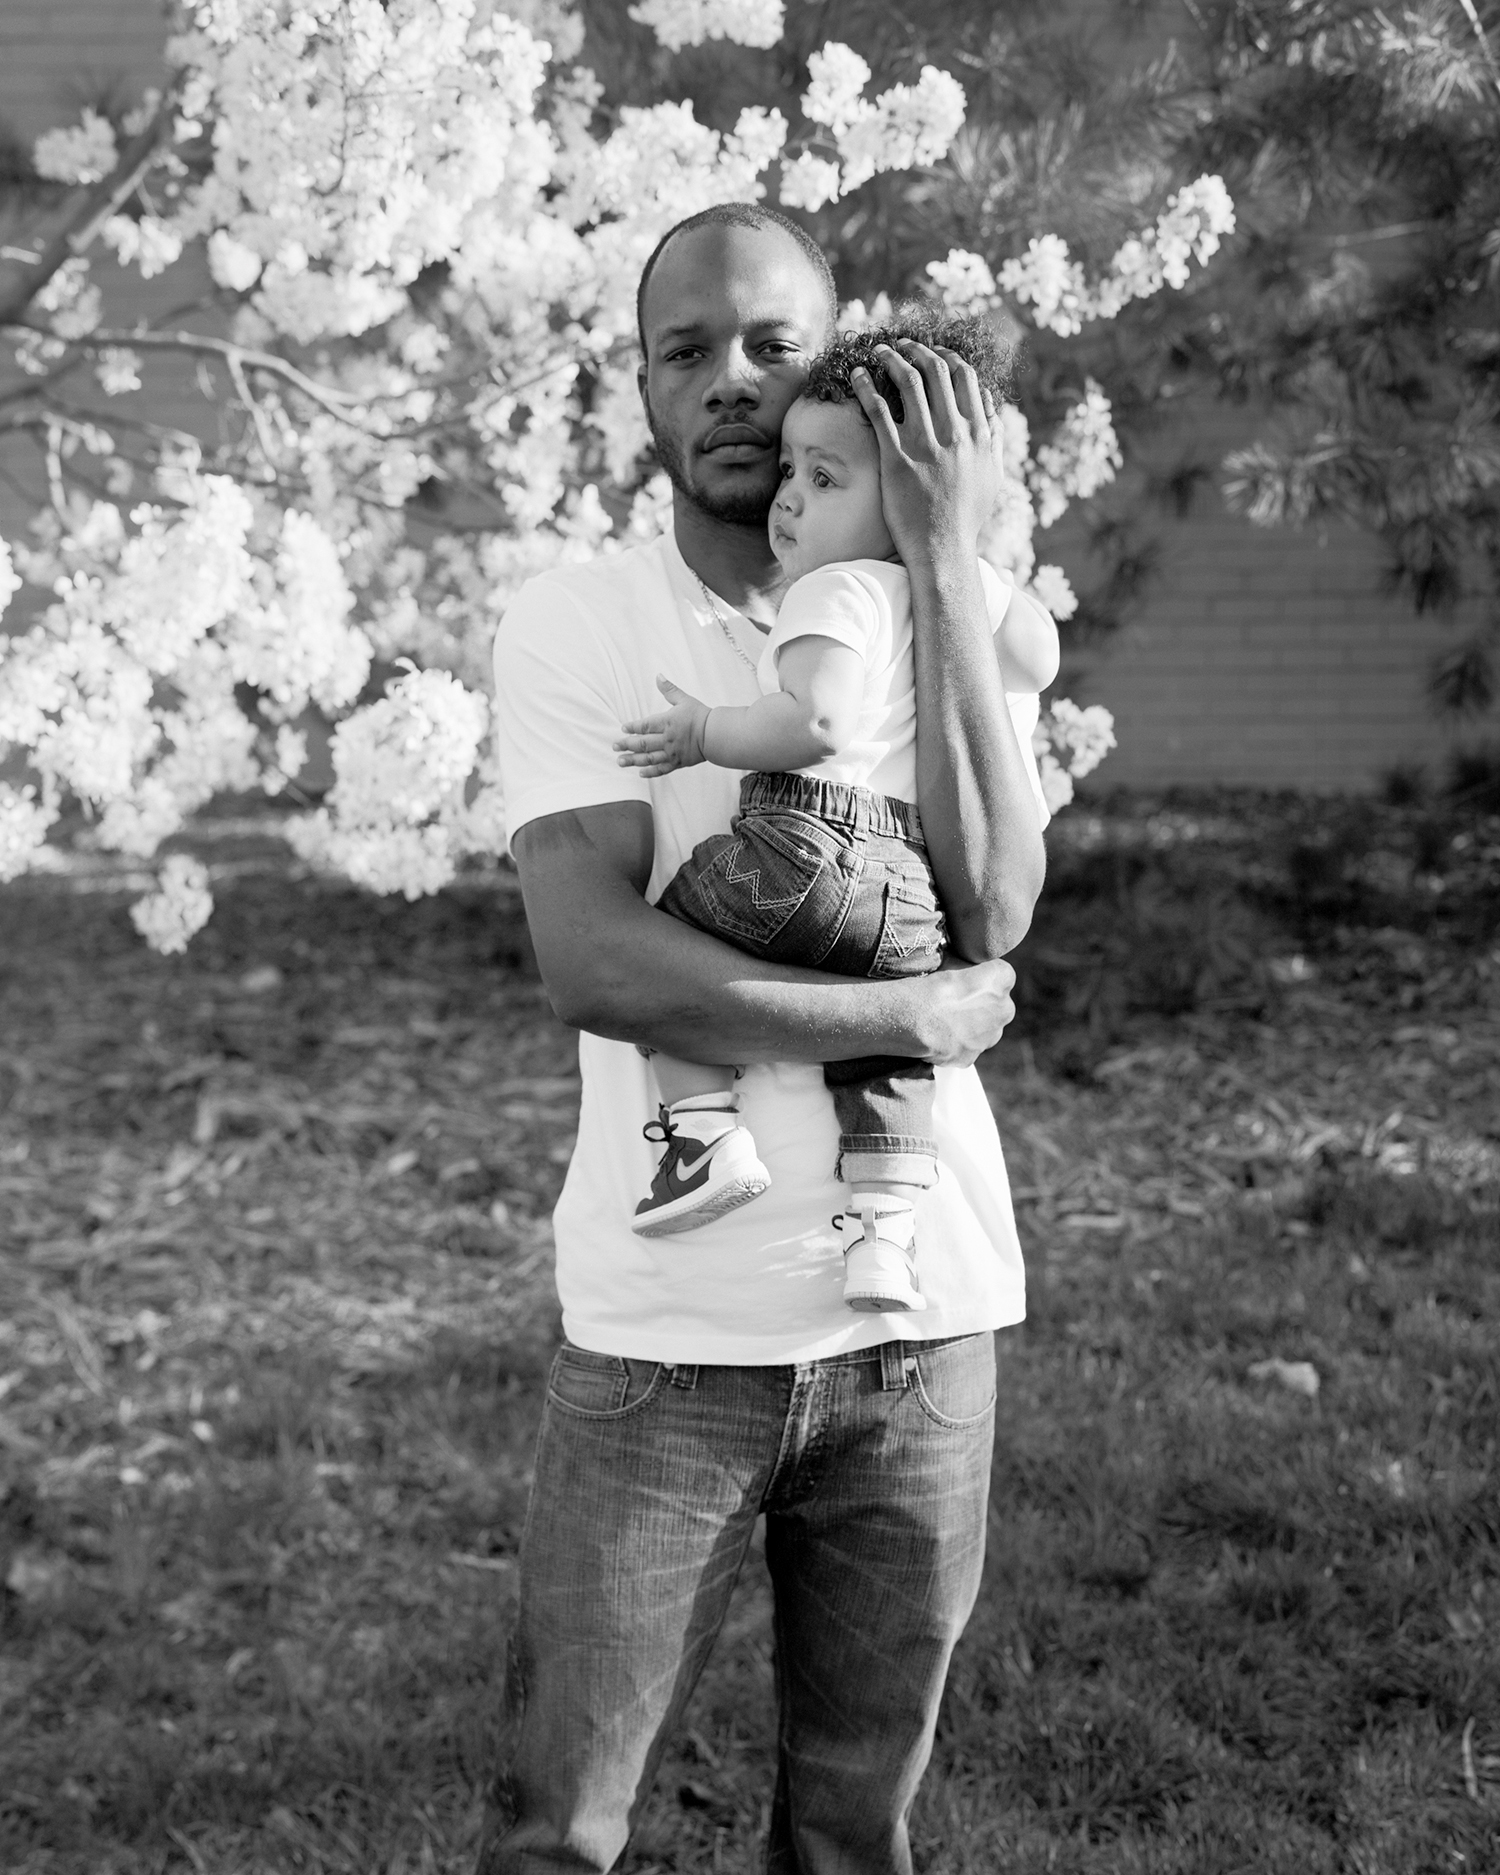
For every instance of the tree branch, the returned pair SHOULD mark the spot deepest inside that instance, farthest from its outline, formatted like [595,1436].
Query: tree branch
[95,206]
[233,356]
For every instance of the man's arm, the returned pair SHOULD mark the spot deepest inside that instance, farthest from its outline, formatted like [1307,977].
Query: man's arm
[979,818]
[616,966]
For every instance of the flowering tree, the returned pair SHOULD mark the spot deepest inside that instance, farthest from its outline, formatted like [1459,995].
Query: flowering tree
[424,354]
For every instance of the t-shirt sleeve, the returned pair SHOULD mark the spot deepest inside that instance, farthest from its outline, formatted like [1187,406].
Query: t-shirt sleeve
[830,603]
[1025,706]
[998,583]
[559,700]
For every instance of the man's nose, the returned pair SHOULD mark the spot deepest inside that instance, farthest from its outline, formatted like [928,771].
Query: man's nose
[736,381]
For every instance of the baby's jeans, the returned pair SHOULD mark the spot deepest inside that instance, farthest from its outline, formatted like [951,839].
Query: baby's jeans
[833,878]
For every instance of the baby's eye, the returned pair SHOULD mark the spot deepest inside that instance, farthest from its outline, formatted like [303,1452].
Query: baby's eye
[820,479]
[786,469]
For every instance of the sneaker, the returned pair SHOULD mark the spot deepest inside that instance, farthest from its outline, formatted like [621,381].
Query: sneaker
[697,1182]
[880,1262]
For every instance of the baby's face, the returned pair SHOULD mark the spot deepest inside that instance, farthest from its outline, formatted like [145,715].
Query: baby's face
[828,505]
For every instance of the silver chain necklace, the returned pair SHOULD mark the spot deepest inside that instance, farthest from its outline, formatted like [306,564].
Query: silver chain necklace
[723,623]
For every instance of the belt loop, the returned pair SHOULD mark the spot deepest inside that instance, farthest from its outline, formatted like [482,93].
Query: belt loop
[893,1376]
[685,1376]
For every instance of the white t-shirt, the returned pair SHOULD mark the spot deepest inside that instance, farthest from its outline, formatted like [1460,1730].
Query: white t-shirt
[577,653]
[866,605]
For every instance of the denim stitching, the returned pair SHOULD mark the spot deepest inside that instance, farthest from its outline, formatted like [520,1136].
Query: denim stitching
[751,876]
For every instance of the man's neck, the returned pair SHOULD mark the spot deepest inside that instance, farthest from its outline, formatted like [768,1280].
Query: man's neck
[736,562]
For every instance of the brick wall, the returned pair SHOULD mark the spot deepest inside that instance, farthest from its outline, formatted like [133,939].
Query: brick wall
[1263,657]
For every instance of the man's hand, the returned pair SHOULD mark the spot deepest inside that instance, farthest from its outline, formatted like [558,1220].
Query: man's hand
[657,745]
[940,466]
[969,1010]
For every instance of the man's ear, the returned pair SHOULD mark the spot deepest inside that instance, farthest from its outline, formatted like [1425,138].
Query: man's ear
[640,385]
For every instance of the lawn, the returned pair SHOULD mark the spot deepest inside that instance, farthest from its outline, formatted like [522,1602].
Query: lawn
[275,1316]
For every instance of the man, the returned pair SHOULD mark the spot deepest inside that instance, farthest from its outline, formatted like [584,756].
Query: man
[712,1377]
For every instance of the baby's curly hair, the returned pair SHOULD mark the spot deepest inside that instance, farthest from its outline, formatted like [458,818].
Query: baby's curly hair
[974,340]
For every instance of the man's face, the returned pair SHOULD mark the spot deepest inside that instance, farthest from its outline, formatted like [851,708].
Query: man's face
[733,318]
[828,504]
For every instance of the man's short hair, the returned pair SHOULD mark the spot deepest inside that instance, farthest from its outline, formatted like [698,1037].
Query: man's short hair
[975,340]
[739,215]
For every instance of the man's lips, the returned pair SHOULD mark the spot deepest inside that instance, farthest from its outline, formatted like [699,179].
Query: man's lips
[735,440]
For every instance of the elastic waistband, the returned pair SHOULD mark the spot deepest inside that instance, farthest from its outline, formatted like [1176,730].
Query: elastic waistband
[859,809]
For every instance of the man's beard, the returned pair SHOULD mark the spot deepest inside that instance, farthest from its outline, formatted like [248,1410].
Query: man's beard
[741,508]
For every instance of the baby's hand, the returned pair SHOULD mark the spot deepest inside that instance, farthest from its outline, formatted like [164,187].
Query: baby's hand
[658,744]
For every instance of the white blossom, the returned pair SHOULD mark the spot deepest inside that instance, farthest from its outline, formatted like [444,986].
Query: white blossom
[291,751]
[757,138]
[180,906]
[1070,743]
[907,125]
[23,830]
[679,23]
[809,181]
[856,316]
[81,152]
[1082,736]
[1006,540]
[1057,783]
[10,579]
[1052,587]
[963,281]
[835,95]
[148,244]
[71,300]
[1049,280]
[232,264]
[651,511]
[400,767]
[118,370]
[1079,460]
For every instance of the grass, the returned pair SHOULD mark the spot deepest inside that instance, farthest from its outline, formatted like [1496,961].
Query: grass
[275,1317]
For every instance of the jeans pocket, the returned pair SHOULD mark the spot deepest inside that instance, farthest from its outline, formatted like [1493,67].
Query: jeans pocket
[912,931]
[756,881]
[601,1386]
[955,1381]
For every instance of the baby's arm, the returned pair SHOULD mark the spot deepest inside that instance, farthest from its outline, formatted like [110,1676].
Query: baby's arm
[812,716]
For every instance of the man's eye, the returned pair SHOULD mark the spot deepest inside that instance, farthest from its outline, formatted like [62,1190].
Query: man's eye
[683,356]
[780,347]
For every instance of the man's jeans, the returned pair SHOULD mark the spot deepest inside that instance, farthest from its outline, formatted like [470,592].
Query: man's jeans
[834,878]
[872,1469]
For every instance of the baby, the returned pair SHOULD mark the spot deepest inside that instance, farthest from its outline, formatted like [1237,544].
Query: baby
[825,864]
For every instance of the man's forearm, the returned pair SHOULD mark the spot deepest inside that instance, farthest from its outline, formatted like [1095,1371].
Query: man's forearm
[615,965]
[618,967]
[979,814]
[694,996]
